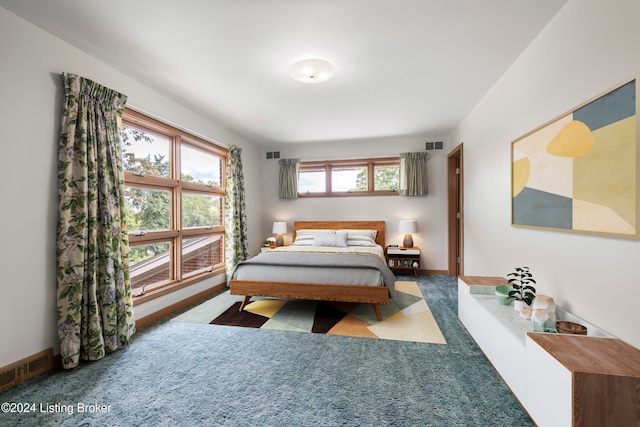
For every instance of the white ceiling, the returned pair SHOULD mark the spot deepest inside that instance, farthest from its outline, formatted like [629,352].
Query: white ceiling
[403,67]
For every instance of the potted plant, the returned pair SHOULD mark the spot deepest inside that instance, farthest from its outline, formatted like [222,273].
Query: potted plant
[523,292]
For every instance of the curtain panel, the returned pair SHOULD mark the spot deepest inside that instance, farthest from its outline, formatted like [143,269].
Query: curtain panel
[236,246]
[289,170]
[413,174]
[94,305]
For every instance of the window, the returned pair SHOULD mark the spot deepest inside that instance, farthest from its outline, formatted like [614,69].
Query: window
[174,205]
[365,177]
[349,178]
[386,176]
[312,180]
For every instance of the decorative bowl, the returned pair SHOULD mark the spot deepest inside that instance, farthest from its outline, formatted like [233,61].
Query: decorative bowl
[502,294]
[565,327]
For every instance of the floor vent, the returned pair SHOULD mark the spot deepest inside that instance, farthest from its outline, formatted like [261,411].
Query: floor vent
[19,372]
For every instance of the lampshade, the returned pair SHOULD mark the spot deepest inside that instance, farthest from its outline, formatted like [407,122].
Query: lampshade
[311,71]
[408,226]
[279,227]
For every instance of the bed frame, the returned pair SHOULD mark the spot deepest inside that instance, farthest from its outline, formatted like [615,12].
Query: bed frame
[373,295]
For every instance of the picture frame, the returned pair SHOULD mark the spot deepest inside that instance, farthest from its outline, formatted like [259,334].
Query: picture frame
[578,173]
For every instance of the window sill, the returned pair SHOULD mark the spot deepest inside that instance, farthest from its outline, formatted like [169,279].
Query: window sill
[172,287]
[349,194]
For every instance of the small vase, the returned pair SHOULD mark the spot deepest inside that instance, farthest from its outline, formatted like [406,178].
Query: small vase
[519,305]
[543,320]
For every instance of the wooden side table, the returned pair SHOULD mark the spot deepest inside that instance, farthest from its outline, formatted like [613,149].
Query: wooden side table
[403,259]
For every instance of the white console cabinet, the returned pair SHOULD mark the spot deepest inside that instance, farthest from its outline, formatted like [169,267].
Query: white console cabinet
[561,380]
[551,382]
[498,330]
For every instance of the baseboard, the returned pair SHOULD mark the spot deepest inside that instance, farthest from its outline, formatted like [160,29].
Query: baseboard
[143,322]
[27,368]
[445,272]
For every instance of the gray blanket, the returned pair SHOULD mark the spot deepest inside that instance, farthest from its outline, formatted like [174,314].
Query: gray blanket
[323,260]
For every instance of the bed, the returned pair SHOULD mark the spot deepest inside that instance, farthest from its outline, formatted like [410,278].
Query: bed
[307,271]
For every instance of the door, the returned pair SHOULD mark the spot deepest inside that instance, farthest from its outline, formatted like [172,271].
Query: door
[455,212]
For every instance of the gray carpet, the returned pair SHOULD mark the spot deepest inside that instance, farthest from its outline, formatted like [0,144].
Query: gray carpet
[187,374]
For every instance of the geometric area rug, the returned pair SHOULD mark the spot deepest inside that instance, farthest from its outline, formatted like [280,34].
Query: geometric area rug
[405,318]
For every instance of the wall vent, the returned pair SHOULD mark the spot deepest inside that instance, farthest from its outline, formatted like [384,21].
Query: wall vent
[273,154]
[436,145]
[19,372]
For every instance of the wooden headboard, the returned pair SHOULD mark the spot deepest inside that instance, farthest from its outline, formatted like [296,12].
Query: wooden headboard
[379,226]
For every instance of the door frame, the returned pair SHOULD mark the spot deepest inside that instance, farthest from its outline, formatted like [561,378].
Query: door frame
[455,203]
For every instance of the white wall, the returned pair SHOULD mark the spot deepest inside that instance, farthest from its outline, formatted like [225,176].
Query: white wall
[589,47]
[429,210]
[30,114]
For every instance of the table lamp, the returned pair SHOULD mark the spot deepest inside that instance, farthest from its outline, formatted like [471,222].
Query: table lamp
[279,228]
[407,227]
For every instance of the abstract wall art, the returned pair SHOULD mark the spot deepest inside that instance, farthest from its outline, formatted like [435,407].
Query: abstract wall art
[579,172]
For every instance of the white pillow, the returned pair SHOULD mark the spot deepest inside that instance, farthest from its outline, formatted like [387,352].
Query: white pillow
[330,239]
[304,237]
[361,237]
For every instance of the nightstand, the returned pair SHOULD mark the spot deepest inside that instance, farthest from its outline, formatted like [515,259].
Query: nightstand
[403,259]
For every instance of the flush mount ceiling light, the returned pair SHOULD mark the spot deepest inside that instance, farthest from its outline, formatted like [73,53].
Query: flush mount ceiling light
[311,71]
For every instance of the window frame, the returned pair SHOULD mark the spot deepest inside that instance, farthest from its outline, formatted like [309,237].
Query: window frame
[176,186]
[370,164]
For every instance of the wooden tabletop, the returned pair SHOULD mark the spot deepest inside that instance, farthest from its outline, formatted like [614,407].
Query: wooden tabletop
[579,353]
[483,280]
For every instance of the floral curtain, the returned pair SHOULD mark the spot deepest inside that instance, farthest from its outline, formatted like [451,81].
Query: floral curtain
[95,310]
[289,169]
[413,174]
[235,213]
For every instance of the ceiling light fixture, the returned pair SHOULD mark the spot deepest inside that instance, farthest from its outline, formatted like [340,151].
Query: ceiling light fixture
[311,71]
